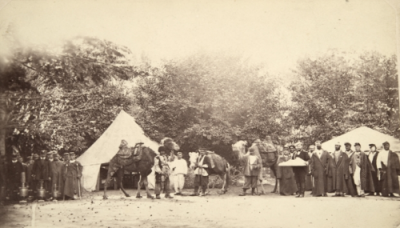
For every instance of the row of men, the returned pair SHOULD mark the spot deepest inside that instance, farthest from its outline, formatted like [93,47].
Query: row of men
[47,171]
[348,172]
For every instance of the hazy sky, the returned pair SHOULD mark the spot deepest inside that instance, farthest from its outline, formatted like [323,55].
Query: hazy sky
[275,33]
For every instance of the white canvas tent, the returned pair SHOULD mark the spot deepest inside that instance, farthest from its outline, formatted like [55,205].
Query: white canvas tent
[123,127]
[364,136]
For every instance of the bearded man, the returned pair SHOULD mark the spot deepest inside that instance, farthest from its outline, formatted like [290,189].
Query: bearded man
[319,169]
[339,168]
[389,168]
[373,156]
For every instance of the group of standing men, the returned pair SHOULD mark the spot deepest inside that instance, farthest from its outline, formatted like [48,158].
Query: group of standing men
[348,172]
[45,172]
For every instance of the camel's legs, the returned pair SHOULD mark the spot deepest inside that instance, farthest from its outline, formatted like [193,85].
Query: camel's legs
[120,176]
[147,188]
[276,180]
[106,184]
[139,186]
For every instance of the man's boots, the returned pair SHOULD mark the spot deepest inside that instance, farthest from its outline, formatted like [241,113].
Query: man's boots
[253,191]
[243,193]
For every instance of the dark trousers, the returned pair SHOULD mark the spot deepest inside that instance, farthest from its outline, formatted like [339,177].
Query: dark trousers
[300,177]
[160,184]
[250,182]
[202,181]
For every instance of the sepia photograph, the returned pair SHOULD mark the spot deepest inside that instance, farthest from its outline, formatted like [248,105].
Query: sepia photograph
[204,114]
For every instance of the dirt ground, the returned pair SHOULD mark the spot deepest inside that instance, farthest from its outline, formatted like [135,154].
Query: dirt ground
[229,210]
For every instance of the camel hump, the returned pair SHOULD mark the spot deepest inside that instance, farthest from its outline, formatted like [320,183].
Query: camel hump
[266,148]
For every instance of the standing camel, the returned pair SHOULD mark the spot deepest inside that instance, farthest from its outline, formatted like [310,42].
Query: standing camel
[266,151]
[139,159]
[218,166]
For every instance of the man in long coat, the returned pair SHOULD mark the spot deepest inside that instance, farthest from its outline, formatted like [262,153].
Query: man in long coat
[389,168]
[319,169]
[309,185]
[351,187]
[372,156]
[73,174]
[339,168]
[41,172]
[252,165]
[56,166]
[300,172]
[285,176]
[64,171]
[360,168]
[14,170]
[29,166]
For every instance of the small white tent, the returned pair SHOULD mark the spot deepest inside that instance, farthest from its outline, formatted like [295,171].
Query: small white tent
[364,136]
[104,149]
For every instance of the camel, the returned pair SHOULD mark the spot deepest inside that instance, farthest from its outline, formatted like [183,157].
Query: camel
[266,151]
[139,159]
[219,166]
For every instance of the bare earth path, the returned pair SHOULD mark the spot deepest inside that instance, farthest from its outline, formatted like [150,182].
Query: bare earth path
[228,211]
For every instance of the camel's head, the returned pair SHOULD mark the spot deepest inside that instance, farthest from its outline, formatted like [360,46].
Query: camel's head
[192,159]
[170,145]
[239,147]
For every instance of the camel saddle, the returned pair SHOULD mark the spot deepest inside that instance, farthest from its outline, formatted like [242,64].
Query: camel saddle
[127,155]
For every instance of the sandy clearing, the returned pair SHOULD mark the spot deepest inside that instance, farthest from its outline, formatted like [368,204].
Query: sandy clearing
[229,210]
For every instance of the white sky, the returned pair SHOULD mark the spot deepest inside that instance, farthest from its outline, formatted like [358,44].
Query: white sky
[275,33]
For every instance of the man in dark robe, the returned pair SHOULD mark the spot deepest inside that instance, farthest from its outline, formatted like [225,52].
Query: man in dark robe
[64,171]
[319,169]
[372,156]
[14,171]
[339,168]
[351,187]
[389,168]
[73,174]
[300,172]
[285,176]
[29,165]
[41,173]
[56,166]
[360,169]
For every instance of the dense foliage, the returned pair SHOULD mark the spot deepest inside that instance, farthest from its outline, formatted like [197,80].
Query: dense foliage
[64,98]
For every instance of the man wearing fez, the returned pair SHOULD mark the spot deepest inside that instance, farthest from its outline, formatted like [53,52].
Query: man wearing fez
[389,168]
[300,172]
[360,168]
[373,156]
[14,171]
[73,174]
[201,172]
[319,164]
[41,172]
[339,168]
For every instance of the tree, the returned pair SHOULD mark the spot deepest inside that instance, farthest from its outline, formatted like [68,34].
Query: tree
[63,98]
[334,94]
[207,100]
